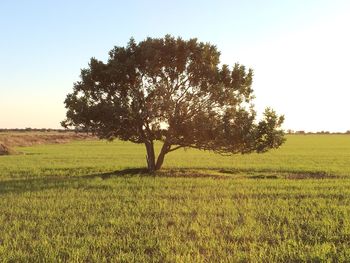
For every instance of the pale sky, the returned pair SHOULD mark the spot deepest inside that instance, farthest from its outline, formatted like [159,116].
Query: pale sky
[299,50]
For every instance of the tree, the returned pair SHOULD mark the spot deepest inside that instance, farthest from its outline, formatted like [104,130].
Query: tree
[174,91]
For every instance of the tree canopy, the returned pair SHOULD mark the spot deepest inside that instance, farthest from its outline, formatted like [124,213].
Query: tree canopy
[175,91]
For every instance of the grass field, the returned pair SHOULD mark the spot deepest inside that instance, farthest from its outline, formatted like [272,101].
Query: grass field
[87,202]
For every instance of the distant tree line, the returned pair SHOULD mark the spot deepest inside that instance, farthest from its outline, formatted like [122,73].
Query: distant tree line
[37,130]
[318,132]
[289,131]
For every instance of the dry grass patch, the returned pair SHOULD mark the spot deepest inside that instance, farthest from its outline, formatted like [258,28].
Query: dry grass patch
[9,140]
[33,138]
[4,150]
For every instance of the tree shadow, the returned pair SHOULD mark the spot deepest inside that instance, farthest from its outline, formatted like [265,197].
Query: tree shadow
[20,186]
[120,173]
[281,174]
[23,185]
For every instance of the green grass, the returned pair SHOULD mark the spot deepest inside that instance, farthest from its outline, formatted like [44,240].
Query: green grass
[69,203]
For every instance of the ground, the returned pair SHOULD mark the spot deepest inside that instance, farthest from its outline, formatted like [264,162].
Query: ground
[90,201]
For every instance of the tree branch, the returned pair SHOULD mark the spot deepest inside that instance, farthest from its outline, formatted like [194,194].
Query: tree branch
[175,148]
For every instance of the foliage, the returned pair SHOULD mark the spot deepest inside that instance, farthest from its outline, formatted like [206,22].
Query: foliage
[174,91]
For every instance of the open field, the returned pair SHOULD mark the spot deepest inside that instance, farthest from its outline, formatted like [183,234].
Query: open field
[86,201]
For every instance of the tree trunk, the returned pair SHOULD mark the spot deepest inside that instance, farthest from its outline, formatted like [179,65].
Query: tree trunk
[151,159]
[161,155]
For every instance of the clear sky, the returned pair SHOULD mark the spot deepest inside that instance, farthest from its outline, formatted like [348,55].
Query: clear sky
[299,50]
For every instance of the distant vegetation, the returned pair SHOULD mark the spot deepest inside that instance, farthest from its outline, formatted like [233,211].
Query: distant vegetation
[289,131]
[37,130]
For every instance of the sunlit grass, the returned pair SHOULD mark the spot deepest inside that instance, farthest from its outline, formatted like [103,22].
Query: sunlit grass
[69,203]
[310,153]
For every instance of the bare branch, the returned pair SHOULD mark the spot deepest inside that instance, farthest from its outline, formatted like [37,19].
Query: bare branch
[175,148]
